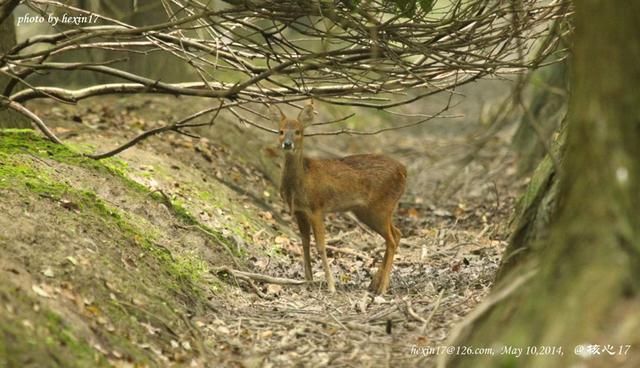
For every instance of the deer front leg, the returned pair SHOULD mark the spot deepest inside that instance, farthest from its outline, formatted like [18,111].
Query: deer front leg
[305,234]
[317,223]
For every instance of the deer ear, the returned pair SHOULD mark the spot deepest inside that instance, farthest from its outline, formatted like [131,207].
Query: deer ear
[275,113]
[306,115]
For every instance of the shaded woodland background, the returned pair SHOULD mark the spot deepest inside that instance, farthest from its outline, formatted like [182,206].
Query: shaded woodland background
[520,222]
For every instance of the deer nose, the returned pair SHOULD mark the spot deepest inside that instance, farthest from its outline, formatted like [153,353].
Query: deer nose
[287,145]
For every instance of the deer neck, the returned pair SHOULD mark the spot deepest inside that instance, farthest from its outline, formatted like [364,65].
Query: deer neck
[293,178]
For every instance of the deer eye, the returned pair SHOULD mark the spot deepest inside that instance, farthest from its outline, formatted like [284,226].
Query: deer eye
[281,132]
[297,132]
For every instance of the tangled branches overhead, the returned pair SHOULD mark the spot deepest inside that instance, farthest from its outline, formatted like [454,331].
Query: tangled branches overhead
[352,52]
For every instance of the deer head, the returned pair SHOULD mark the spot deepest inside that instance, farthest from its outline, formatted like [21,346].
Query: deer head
[291,131]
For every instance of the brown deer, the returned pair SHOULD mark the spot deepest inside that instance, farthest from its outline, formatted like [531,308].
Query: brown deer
[367,185]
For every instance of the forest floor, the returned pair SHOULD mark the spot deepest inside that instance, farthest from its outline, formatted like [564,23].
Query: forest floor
[133,261]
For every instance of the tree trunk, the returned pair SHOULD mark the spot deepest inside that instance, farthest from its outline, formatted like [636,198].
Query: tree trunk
[9,118]
[534,210]
[543,116]
[580,284]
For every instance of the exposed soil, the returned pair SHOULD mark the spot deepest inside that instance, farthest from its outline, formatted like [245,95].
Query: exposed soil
[122,262]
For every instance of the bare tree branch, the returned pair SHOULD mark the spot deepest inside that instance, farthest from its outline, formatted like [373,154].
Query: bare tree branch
[281,51]
[6,103]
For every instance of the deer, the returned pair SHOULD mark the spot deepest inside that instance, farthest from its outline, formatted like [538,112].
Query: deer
[368,185]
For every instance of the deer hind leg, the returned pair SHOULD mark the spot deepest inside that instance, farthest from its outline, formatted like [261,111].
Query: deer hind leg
[380,222]
[317,223]
[396,234]
[305,234]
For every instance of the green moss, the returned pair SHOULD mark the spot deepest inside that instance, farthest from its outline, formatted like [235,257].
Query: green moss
[19,149]
[206,196]
[187,271]
[274,251]
[17,171]
[243,224]
[28,166]
[60,336]
[509,362]
[40,338]
[181,212]
[177,207]
[25,141]
[191,266]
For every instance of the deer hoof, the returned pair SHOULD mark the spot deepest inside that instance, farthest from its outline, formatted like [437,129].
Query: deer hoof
[332,288]
[377,287]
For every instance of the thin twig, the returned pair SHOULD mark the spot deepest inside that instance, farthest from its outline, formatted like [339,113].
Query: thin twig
[433,311]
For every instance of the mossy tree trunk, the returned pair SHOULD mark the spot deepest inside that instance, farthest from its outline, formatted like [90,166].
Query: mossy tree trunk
[543,115]
[580,285]
[535,209]
[9,118]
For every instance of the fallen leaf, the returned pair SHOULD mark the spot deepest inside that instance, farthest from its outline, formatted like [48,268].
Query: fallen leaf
[65,203]
[93,310]
[152,330]
[442,213]
[274,289]
[99,348]
[48,272]
[40,291]
[111,286]
[26,323]
[266,334]
[455,267]
[378,299]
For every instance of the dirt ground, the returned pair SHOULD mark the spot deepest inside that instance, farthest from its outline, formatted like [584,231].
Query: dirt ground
[149,286]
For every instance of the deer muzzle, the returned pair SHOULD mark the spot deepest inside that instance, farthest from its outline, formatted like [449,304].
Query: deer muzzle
[287,145]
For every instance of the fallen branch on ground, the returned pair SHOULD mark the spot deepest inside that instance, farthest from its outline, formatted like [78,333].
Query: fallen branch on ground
[347,251]
[433,311]
[243,275]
